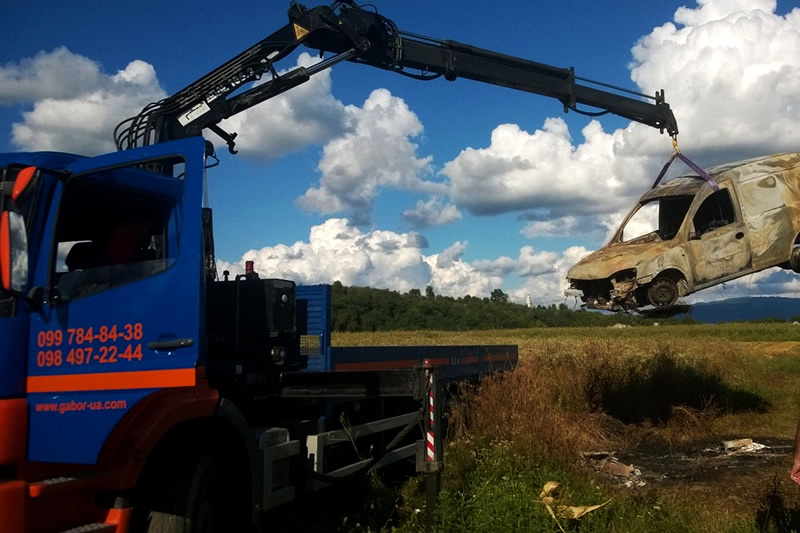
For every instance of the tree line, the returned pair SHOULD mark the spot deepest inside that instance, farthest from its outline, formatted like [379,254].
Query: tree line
[367,309]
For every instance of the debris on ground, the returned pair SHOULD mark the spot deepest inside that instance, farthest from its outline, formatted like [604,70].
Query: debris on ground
[606,463]
[741,445]
[560,510]
[703,463]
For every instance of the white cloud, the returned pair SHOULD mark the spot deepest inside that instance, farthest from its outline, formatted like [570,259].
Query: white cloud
[75,106]
[544,274]
[556,227]
[452,276]
[499,267]
[307,114]
[339,251]
[376,152]
[533,263]
[543,170]
[59,74]
[451,254]
[731,71]
[434,212]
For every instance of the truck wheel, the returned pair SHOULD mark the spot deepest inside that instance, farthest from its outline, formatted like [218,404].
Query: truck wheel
[187,501]
[662,292]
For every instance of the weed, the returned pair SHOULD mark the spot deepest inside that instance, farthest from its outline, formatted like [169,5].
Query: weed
[779,509]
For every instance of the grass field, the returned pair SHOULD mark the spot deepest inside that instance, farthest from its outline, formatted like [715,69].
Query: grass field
[661,400]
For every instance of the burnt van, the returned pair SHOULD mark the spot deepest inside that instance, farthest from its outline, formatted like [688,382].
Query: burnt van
[693,232]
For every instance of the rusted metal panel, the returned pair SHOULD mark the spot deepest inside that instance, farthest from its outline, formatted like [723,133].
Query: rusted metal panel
[751,223]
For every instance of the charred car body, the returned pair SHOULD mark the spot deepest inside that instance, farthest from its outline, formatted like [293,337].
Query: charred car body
[688,234]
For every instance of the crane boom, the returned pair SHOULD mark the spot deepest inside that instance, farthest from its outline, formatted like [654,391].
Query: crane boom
[354,34]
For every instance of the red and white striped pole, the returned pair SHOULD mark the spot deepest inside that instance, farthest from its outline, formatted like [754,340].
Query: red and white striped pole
[432,463]
[431,436]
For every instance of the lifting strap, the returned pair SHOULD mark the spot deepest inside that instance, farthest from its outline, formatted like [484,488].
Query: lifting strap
[689,163]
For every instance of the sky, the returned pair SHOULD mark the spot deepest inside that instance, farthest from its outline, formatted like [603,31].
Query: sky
[373,179]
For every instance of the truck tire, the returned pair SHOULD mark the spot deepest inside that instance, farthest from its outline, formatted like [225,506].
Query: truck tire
[662,292]
[188,502]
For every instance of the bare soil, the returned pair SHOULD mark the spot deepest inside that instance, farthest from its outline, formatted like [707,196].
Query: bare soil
[738,481]
[707,464]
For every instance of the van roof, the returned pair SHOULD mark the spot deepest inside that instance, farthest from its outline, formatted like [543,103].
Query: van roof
[767,164]
[679,186]
[689,184]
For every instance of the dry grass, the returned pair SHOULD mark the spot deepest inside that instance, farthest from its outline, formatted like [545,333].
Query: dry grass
[733,357]
[676,388]
[571,395]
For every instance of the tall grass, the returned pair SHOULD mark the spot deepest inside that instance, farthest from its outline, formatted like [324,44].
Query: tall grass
[613,390]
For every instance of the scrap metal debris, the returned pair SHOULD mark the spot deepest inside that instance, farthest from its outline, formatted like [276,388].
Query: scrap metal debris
[607,463]
[741,445]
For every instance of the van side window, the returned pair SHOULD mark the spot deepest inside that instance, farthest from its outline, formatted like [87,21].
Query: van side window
[670,216]
[108,235]
[715,212]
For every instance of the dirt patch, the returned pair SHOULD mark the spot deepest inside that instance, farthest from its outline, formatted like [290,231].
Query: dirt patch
[708,463]
[735,480]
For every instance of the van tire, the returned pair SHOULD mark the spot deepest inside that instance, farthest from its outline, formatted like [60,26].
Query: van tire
[794,259]
[662,292]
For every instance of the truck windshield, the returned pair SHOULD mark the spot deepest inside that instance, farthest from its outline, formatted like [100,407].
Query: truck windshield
[656,219]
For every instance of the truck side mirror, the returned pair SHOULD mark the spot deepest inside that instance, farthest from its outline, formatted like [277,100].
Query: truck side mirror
[13,251]
[26,182]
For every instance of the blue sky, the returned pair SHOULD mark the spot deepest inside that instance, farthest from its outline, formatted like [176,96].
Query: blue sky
[409,162]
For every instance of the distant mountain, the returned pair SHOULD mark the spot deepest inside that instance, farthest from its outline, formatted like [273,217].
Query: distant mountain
[744,309]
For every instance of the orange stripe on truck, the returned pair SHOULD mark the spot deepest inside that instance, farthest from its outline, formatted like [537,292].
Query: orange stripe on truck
[140,379]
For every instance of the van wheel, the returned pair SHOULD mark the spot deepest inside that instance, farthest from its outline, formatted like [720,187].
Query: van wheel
[794,260]
[662,292]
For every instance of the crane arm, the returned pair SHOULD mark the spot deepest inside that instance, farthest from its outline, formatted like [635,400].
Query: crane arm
[365,37]
[454,60]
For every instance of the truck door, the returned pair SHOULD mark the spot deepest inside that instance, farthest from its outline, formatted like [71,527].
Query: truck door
[718,243]
[123,289]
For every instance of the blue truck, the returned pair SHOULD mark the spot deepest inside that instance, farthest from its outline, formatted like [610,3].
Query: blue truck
[140,389]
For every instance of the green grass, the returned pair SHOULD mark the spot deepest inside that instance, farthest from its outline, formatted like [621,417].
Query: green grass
[739,332]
